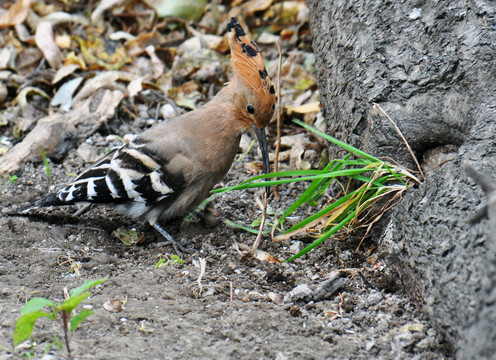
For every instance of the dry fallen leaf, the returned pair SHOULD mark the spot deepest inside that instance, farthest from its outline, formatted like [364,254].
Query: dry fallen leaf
[291,140]
[21,98]
[46,43]
[135,46]
[4,92]
[276,298]
[157,65]
[63,96]
[258,254]
[115,305]
[63,72]
[59,17]
[296,157]
[97,15]
[101,52]
[73,59]
[135,86]
[129,237]
[201,41]
[28,60]
[23,33]
[63,41]
[254,168]
[191,9]
[5,56]
[103,79]
[287,34]
[288,11]
[252,6]
[16,14]
[304,109]
[267,38]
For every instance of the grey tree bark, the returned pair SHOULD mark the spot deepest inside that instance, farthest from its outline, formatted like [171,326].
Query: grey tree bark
[431,66]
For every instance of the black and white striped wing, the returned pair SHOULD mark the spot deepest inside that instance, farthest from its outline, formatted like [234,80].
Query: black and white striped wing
[128,174]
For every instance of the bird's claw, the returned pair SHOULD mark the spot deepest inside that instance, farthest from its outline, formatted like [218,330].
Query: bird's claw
[178,247]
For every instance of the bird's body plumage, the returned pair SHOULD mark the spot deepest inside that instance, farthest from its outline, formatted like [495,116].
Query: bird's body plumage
[170,168]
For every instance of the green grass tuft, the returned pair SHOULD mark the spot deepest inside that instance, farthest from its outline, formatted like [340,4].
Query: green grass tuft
[376,180]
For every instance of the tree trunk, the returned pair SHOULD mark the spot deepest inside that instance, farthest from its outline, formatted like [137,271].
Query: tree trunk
[430,65]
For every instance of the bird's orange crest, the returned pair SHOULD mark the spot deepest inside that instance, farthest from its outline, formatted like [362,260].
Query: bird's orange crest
[249,66]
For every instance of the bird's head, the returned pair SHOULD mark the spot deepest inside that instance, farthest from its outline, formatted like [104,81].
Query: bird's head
[256,95]
[257,91]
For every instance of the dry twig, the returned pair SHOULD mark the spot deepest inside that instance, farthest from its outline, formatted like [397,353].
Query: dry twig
[278,115]
[203,265]
[378,107]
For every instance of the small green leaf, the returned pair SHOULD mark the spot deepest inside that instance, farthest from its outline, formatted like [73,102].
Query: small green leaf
[24,326]
[71,303]
[77,319]
[160,263]
[165,261]
[35,305]
[176,259]
[256,222]
[87,285]
[12,178]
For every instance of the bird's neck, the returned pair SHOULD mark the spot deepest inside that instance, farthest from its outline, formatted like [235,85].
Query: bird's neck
[227,109]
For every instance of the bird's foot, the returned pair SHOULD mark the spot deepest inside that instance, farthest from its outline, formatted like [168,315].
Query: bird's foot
[178,247]
[210,217]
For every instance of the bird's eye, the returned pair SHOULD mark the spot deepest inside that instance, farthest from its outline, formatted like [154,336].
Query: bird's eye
[250,109]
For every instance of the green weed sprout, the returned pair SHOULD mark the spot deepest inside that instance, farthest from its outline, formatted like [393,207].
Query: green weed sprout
[168,260]
[32,311]
[47,166]
[12,178]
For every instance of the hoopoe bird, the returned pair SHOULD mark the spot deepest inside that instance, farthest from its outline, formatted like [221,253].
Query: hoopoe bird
[170,168]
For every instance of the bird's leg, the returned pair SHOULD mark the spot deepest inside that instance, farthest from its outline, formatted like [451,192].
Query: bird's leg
[82,210]
[210,217]
[178,247]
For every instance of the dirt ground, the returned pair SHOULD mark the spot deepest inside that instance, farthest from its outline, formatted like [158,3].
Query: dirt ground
[333,303]
[247,309]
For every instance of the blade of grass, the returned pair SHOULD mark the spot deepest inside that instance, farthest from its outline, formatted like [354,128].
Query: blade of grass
[337,142]
[345,146]
[320,175]
[320,213]
[47,166]
[243,227]
[309,193]
[324,237]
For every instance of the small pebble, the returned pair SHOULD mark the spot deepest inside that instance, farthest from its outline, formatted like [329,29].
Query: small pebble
[301,292]
[295,311]
[374,299]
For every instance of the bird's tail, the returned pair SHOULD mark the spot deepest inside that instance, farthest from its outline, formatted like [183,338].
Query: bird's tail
[50,200]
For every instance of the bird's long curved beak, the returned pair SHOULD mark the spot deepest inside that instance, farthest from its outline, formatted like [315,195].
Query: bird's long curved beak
[263,146]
